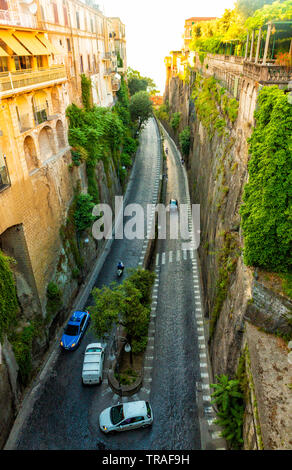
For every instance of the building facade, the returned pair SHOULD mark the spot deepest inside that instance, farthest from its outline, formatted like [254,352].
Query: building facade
[44,47]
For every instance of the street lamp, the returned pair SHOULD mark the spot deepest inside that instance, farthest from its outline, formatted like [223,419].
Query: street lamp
[113,356]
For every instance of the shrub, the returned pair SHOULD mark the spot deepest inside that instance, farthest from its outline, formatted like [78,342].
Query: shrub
[175,120]
[83,212]
[229,400]
[54,298]
[185,141]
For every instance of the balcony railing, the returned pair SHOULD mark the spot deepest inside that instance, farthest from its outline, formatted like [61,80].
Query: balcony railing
[26,78]
[269,73]
[13,18]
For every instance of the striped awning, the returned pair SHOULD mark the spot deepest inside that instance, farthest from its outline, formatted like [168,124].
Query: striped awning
[30,41]
[48,44]
[3,53]
[12,42]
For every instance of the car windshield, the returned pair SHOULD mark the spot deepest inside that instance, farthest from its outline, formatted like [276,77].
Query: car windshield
[117,414]
[71,330]
[94,350]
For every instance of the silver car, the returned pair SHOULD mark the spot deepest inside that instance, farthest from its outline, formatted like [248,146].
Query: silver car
[126,416]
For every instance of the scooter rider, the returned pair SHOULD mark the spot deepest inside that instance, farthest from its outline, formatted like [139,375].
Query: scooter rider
[121,266]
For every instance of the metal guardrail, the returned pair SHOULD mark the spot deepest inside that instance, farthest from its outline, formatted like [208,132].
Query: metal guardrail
[28,77]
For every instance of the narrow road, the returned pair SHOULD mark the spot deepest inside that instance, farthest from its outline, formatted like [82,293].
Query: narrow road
[176,379]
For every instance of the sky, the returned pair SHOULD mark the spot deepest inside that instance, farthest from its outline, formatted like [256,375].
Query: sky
[155,27]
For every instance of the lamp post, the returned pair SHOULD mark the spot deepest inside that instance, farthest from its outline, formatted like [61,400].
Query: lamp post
[113,355]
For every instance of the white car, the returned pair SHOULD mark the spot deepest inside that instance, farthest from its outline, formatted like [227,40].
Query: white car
[173,205]
[93,364]
[126,416]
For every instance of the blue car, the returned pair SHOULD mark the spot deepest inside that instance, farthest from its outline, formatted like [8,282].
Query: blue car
[74,330]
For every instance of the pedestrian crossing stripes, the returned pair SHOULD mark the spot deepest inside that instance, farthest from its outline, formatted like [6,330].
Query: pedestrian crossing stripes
[172,256]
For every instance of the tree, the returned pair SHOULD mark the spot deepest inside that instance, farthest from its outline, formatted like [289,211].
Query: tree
[126,305]
[141,108]
[248,7]
[138,83]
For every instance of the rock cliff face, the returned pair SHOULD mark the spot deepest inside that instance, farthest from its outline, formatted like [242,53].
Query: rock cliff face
[67,275]
[233,297]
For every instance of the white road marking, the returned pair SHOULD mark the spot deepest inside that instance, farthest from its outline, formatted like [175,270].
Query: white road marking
[163,258]
[203,365]
[170,256]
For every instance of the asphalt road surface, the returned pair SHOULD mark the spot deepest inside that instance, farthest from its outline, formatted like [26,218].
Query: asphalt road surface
[65,414]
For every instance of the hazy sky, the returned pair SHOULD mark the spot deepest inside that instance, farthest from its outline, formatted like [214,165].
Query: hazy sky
[155,27]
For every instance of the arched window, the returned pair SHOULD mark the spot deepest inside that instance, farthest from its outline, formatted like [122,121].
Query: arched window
[46,143]
[30,153]
[60,134]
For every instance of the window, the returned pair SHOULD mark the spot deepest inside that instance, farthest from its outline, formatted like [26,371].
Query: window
[88,59]
[85,22]
[22,62]
[3,64]
[91,25]
[77,20]
[81,64]
[68,45]
[40,61]
[4,178]
[3,5]
[94,63]
[65,13]
[56,16]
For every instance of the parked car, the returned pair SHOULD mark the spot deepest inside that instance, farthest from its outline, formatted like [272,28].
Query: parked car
[74,330]
[173,205]
[93,364]
[126,416]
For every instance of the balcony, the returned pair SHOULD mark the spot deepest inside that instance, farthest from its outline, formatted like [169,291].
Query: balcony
[24,80]
[13,18]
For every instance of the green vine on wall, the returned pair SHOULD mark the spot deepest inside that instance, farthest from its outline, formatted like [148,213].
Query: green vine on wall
[267,200]
[227,260]
[86,91]
[213,106]
[8,299]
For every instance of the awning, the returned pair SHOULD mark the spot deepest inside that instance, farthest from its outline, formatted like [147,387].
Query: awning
[31,43]
[3,53]
[11,42]
[50,46]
